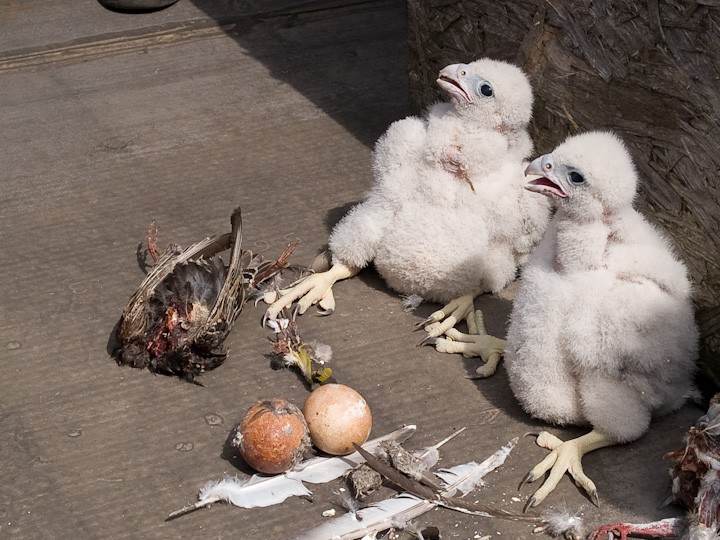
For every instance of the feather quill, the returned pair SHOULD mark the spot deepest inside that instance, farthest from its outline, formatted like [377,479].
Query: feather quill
[269,490]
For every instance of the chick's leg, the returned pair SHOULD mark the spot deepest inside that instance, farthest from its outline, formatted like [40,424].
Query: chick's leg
[476,342]
[564,457]
[314,289]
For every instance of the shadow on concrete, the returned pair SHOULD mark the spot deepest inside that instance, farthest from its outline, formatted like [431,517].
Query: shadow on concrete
[330,76]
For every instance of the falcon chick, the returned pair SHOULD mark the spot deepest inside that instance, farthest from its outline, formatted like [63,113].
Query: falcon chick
[602,331]
[447,216]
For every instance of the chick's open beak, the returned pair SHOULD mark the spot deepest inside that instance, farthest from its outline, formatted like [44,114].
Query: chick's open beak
[550,173]
[452,80]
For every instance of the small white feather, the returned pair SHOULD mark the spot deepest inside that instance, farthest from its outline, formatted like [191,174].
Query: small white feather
[321,352]
[369,521]
[709,459]
[411,301]
[350,503]
[561,524]
[465,478]
[278,325]
[258,491]
[428,457]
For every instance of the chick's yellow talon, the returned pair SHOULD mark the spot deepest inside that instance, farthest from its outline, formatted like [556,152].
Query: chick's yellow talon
[564,457]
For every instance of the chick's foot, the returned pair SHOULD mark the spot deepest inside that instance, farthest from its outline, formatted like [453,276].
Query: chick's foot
[442,320]
[311,290]
[475,343]
[564,457]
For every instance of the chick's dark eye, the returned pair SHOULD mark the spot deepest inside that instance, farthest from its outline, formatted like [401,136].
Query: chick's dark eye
[486,90]
[577,178]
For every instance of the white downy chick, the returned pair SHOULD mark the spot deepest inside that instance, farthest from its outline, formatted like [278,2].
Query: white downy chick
[603,319]
[447,214]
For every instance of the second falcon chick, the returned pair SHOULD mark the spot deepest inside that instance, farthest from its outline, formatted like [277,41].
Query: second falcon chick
[602,331]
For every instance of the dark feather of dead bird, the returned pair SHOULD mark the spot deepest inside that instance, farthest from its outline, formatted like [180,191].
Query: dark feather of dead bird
[177,320]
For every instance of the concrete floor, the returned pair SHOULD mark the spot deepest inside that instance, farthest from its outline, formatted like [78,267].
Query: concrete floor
[112,119]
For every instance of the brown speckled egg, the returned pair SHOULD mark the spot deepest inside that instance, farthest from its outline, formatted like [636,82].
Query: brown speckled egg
[273,436]
[337,417]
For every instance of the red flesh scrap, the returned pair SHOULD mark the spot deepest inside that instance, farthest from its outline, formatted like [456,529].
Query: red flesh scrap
[164,340]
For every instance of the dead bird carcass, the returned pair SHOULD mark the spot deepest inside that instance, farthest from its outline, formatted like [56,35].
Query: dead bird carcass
[177,320]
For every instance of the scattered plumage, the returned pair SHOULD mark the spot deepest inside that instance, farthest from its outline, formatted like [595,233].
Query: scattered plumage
[447,215]
[177,320]
[441,497]
[386,514]
[603,320]
[260,491]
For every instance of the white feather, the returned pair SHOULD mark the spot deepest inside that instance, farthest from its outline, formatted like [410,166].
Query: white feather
[465,478]
[369,521]
[561,524]
[462,478]
[701,532]
[278,325]
[258,491]
[321,352]
[431,455]
[411,301]
[428,457]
